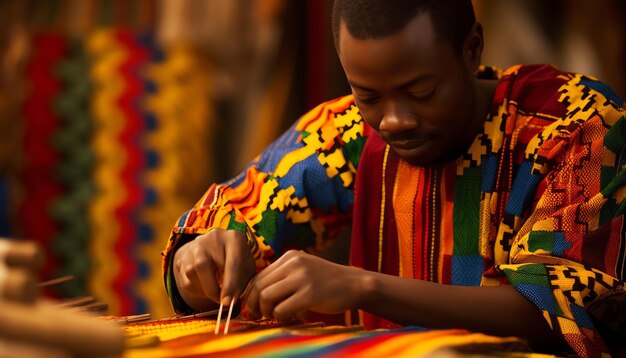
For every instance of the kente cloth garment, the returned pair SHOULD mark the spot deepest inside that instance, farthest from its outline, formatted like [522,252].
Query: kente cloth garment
[536,202]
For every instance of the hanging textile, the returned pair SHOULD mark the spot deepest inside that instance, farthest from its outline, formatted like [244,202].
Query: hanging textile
[73,170]
[39,183]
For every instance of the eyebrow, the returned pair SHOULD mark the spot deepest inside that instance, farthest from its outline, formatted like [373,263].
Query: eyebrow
[408,83]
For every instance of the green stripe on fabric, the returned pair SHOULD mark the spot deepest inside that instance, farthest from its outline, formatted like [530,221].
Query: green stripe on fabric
[466,212]
[614,140]
[610,208]
[296,350]
[233,224]
[541,240]
[608,211]
[615,183]
[267,226]
[615,137]
[528,274]
[353,149]
[606,175]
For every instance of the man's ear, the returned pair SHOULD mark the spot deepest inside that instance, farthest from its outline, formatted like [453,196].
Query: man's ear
[473,47]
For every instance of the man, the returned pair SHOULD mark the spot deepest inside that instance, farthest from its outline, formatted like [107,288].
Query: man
[485,201]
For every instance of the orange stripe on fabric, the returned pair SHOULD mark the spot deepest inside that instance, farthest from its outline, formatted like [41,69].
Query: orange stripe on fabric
[420,222]
[321,112]
[405,192]
[397,344]
[245,195]
[446,241]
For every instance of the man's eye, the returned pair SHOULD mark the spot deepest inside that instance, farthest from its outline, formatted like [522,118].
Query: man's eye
[422,95]
[367,100]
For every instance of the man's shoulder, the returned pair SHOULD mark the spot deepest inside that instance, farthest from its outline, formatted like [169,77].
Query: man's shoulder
[331,107]
[547,91]
[341,111]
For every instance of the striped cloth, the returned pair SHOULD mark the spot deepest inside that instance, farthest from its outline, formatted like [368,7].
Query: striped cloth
[195,338]
[536,202]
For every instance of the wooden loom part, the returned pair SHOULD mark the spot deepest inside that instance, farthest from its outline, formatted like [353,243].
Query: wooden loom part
[45,325]
[46,329]
[19,261]
[23,254]
[17,285]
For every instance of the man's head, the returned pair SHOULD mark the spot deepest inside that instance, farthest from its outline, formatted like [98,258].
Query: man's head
[371,19]
[410,65]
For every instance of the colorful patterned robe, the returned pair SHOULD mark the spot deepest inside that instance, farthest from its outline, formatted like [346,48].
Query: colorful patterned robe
[536,202]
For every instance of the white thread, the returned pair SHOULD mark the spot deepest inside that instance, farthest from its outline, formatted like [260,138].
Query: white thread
[219,317]
[230,312]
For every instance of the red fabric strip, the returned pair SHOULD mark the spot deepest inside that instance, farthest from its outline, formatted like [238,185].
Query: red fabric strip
[40,124]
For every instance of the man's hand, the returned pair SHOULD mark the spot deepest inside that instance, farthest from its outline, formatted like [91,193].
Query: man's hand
[213,268]
[298,282]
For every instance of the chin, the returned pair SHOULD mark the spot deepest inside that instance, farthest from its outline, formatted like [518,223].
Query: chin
[420,157]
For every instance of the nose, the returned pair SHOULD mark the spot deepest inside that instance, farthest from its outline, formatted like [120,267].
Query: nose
[397,118]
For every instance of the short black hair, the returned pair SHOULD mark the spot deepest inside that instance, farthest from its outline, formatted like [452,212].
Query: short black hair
[370,19]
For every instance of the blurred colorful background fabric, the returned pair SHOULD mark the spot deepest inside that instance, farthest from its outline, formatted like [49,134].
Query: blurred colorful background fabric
[118,115]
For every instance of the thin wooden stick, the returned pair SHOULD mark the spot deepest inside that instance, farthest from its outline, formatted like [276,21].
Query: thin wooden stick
[191,316]
[200,315]
[137,318]
[56,281]
[91,307]
[74,302]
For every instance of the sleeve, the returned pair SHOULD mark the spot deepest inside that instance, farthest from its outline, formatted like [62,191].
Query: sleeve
[297,194]
[568,255]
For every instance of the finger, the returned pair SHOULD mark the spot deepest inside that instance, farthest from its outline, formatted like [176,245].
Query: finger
[273,295]
[275,265]
[188,281]
[238,266]
[251,296]
[185,274]
[279,271]
[205,270]
[251,299]
[292,306]
[212,246]
[266,272]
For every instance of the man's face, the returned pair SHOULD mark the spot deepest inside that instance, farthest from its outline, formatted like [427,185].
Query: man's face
[413,89]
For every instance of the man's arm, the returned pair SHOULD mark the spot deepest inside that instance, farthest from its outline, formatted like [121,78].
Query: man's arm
[496,310]
[297,282]
[296,194]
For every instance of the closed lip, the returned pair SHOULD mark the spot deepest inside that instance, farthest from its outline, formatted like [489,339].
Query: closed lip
[408,144]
